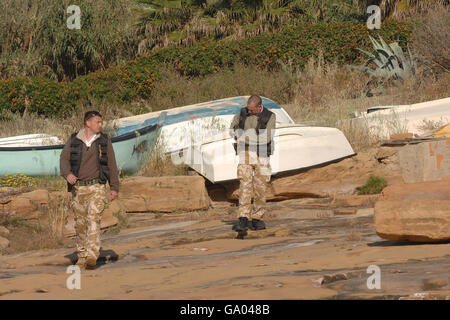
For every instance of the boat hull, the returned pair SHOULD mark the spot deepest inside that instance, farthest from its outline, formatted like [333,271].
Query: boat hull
[384,121]
[296,147]
[131,151]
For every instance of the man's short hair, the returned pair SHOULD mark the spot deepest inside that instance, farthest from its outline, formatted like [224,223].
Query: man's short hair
[255,100]
[91,114]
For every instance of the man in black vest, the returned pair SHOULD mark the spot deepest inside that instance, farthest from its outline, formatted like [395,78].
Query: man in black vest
[87,162]
[253,129]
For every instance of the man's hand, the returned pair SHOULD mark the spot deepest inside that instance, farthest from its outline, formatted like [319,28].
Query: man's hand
[71,178]
[113,195]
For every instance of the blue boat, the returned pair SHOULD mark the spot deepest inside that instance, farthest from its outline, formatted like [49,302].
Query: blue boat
[131,150]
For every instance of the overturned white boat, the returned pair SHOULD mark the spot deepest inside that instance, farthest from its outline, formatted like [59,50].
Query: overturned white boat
[198,136]
[296,147]
[382,121]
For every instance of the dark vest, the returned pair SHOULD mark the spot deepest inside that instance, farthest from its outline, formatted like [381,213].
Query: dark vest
[263,118]
[100,145]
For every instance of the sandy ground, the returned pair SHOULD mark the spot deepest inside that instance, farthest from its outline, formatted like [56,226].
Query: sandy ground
[195,255]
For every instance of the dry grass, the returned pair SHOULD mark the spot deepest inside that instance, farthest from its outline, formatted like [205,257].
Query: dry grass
[54,216]
[45,232]
[431,41]
[51,183]
[159,164]
[402,9]
[320,87]
[175,90]
[327,95]
[431,125]
[12,124]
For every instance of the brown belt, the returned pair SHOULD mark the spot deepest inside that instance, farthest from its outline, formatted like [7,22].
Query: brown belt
[87,182]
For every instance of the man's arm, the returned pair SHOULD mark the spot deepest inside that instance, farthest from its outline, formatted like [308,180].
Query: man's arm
[113,171]
[235,121]
[234,125]
[64,164]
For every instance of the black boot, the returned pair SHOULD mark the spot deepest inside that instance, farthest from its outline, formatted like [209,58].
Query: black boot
[258,224]
[242,227]
[237,227]
[242,224]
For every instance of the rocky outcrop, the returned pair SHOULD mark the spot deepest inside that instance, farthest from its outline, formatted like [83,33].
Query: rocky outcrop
[414,211]
[138,194]
[26,205]
[164,194]
[341,178]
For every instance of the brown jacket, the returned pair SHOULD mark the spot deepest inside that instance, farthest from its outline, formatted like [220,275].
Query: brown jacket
[89,163]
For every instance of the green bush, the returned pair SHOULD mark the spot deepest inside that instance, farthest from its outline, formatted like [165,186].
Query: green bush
[374,185]
[34,39]
[135,80]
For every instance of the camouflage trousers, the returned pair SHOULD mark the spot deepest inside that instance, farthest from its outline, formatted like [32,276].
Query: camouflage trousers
[254,175]
[88,203]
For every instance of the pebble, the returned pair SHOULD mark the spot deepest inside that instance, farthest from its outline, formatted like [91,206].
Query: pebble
[41,290]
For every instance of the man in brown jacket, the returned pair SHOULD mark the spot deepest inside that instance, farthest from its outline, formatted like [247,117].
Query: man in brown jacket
[87,162]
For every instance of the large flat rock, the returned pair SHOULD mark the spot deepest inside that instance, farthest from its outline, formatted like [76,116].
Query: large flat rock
[164,194]
[26,205]
[417,212]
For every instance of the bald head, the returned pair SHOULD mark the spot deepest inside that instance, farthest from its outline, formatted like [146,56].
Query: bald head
[254,104]
[255,100]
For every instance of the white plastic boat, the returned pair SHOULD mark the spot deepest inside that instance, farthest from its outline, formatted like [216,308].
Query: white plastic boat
[382,121]
[296,147]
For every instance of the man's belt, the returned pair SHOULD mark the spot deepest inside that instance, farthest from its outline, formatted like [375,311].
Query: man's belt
[87,182]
